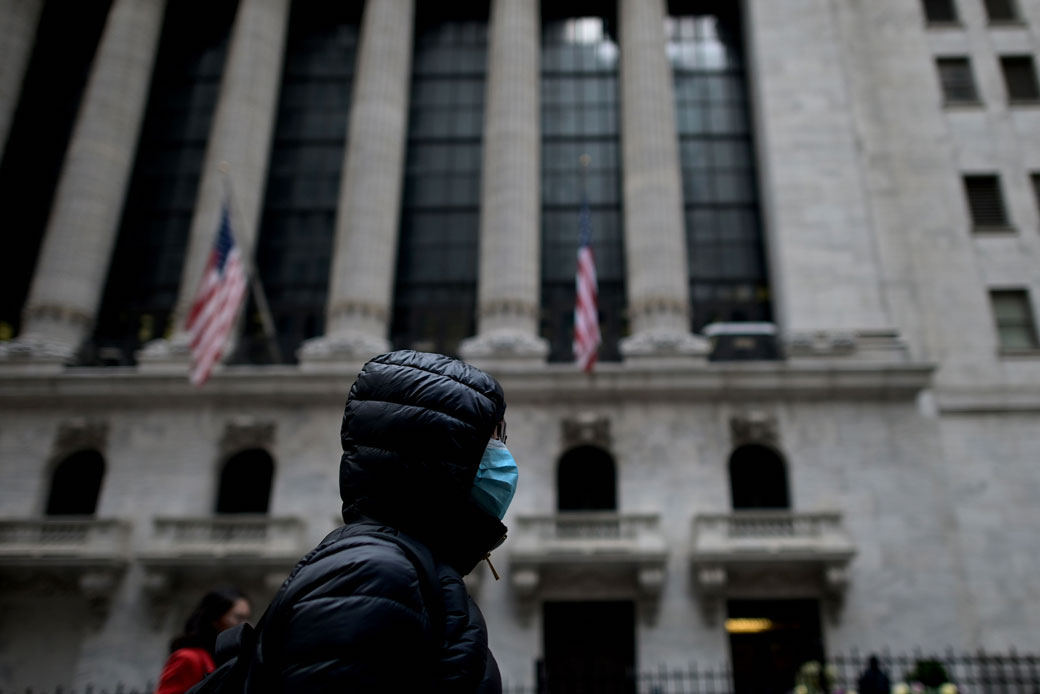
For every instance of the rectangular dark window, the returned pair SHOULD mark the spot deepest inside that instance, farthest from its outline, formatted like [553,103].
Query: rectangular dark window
[985,202]
[579,116]
[1001,10]
[1016,329]
[726,258]
[958,84]
[1020,78]
[940,11]
[435,292]
[1036,189]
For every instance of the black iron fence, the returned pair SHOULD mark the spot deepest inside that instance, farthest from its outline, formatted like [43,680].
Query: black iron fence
[913,673]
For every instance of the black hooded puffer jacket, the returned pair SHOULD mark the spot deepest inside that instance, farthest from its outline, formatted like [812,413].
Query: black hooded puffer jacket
[380,604]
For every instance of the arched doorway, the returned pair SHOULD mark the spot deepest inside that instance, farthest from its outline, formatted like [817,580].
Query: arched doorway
[586,480]
[76,484]
[758,478]
[245,482]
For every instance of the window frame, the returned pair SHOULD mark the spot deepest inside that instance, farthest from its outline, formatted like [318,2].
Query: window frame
[954,19]
[979,225]
[1028,322]
[1028,63]
[950,98]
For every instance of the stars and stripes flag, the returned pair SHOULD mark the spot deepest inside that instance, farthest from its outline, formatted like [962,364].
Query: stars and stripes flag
[586,304]
[219,297]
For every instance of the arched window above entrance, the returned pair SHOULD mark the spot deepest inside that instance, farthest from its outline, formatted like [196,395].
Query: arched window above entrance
[245,482]
[586,480]
[76,484]
[758,478]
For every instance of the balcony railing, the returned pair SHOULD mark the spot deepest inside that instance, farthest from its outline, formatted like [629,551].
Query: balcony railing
[64,541]
[588,533]
[628,547]
[770,535]
[249,538]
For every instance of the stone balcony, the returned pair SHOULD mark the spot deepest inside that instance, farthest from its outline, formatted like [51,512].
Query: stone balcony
[605,552]
[221,546]
[85,553]
[83,542]
[763,553]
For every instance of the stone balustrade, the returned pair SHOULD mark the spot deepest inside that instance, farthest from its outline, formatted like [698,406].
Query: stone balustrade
[61,541]
[628,551]
[246,537]
[782,534]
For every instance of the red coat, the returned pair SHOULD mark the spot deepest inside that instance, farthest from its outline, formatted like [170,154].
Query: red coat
[184,669]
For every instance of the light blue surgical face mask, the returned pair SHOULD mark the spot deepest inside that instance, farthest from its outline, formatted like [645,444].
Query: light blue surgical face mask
[495,484]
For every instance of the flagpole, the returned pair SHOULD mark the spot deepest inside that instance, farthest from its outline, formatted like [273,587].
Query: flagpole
[257,289]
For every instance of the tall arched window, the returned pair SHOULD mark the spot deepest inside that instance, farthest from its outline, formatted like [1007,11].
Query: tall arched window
[758,478]
[245,482]
[76,484]
[586,480]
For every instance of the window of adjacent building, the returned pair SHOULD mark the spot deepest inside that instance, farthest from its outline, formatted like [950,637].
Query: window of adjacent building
[64,46]
[1020,78]
[76,484]
[586,480]
[435,293]
[1016,328]
[727,270]
[1036,189]
[758,478]
[245,482]
[985,202]
[293,255]
[579,117]
[940,11]
[958,84]
[1001,10]
[145,270]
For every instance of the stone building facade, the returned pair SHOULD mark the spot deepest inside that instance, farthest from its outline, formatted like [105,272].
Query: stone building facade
[815,421]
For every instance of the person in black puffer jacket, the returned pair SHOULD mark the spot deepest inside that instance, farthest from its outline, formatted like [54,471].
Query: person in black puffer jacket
[380,604]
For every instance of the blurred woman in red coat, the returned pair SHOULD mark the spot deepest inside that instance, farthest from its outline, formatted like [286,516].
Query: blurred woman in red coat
[191,653]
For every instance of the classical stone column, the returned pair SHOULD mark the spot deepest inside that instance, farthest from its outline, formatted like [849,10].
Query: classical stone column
[655,240]
[237,154]
[510,277]
[365,247]
[70,274]
[18,22]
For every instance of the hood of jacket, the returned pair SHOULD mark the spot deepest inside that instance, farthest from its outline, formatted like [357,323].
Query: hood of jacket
[414,429]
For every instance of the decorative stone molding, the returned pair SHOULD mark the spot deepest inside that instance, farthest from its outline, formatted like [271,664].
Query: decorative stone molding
[586,430]
[505,343]
[98,587]
[770,552]
[359,309]
[754,427]
[873,345]
[662,342]
[350,346]
[243,433]
[165,354]
[35,350]
[78,434]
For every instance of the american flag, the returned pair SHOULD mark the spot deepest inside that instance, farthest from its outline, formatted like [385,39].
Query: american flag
[586,304]
[217,302]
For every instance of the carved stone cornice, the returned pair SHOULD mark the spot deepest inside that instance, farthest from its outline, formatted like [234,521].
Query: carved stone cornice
[243,433]
[754,427]
[586,430]
[79,434]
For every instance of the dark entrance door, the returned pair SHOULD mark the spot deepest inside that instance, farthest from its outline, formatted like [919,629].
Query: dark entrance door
[769,640]
[589,647]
